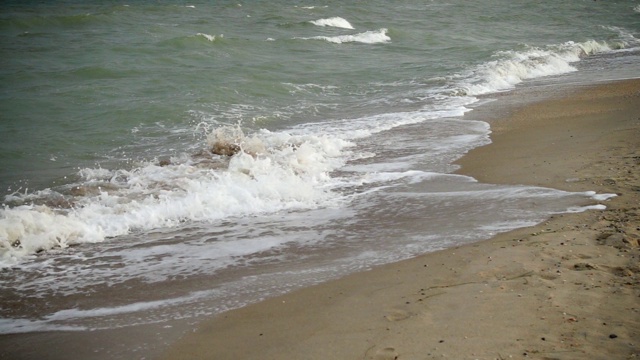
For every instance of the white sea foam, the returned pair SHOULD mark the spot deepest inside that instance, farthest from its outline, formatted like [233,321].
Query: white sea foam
[211,38]
[595,196]
[411,176]
[512,67]
[599,197]
[369,37]
[63,320]
[503,226]
[16,326]
[119,310]
[637,8]
[579,209]
[333,22]
[368,125]
[275,171]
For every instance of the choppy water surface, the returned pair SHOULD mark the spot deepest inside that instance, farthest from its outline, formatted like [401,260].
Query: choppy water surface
[164,161]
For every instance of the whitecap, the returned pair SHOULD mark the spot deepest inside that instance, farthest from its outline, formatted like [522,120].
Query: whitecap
[211,38]
[337,22]
[368,37]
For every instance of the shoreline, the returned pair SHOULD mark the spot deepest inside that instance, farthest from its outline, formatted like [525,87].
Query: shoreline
[566,288]
[559,289]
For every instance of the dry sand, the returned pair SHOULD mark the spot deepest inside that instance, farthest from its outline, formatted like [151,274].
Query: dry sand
[565,289]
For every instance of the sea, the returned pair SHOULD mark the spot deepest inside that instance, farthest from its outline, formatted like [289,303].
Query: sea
[162,162]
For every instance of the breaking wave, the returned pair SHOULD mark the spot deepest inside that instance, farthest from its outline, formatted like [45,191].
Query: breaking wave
[237,175]
[513,67]
[263,172]
[369,37]
[337,22]
[211,38]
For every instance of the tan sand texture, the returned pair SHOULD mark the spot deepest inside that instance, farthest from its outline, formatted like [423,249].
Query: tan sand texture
[565,289]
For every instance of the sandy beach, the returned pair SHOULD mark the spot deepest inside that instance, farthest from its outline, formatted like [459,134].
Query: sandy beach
[567,288]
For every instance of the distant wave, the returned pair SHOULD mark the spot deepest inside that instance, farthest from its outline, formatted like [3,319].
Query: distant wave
[211,38]
[311,7]
[369,37]
[192,40]
[637,8]
[333,22]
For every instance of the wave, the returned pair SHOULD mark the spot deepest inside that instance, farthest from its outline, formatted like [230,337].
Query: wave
[333,22]
[211,38]
[193,40]
[637,8]
[240,174]
[235,175]
[513,67]
[625,37]
[264,172]
[369,37]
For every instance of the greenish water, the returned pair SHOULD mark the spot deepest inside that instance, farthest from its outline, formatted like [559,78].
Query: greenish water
[348,116]
[86,84]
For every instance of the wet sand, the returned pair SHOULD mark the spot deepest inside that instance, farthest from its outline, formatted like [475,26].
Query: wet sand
[568,288]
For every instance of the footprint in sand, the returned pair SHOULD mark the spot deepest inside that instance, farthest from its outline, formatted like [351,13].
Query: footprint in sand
[397,315]
[386,354]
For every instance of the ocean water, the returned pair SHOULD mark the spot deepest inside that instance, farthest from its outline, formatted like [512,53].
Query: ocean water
[164,161]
